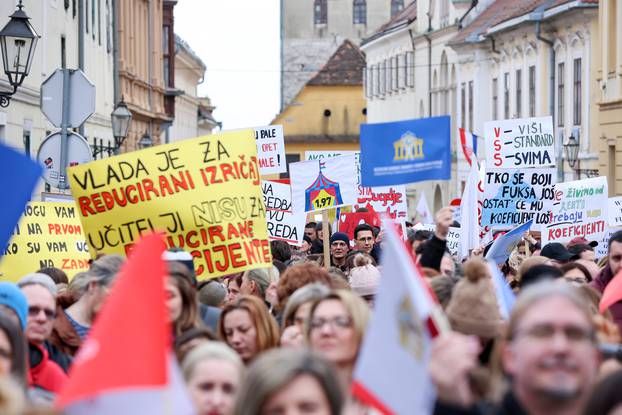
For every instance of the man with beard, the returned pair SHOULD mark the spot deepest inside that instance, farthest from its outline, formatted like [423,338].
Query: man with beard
[339,247]
[549,354]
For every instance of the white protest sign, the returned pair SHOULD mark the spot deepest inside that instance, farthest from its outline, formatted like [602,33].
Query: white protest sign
[602,250]
[579,209]
[453,238]
[615,211]
[525,142]
[270,149]
[316,155]
[515,196]
[283,224]
[323,184]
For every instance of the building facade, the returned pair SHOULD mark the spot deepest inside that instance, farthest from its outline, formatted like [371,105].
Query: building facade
[609,86]
[312,30]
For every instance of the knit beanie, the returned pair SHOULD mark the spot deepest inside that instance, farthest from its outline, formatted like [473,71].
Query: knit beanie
[340,236]
[473,308]
[12,297]
[364,280]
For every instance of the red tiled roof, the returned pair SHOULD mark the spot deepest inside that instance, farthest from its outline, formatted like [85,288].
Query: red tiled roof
[503,10]
[345,67]
[405,17]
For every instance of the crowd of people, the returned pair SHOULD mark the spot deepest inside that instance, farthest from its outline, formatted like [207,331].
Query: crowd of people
[285,339]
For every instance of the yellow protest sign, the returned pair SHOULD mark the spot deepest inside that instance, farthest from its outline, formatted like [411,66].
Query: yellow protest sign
[48,235]
[203,193]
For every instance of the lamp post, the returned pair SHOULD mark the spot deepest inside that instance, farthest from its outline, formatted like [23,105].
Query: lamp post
[572,151]
[145,141]
[121,119]
[18,40]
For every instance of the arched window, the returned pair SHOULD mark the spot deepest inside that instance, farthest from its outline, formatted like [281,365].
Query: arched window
[359,12]
[396,7]
[320,12]
[444,87]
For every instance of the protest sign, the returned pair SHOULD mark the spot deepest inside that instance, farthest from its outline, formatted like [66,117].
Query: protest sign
[349,221]
[525,142]
[515,196]
[323,184]
[405,151]
[614,208]
[283,225]
[453,237]
[270,149]
[204,193]
[503,246]
[49,234]
[602,249]
[579,209]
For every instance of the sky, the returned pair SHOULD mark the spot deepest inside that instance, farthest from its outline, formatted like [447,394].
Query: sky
[239,43]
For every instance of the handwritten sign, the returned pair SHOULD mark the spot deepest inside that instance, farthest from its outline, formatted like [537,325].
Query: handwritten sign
[579,209]
[283,224]
[602,249]
[318,155]
[49,234]
[204,193]
[615,211]
[453,237]
[270,149]
[526,142]
[323,184]
[515,196]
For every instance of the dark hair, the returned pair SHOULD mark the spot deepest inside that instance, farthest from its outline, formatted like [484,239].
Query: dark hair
[319,227]
[281,250]
[310,225]
[307,239]
[57,275]
[605,395]
[616,237]
[579,248]
[18,348]
[189,335]
[189,317]
[574,265]
[280,265]
[362,227]
[539,273]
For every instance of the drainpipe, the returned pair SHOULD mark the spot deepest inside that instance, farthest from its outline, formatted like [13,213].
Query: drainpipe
[81,11]
[115,52]
[473,5]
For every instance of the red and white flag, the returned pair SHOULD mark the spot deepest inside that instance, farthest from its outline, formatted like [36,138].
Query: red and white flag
[468,143]
[423,210]
[126,365]
[469,210]
[391,371]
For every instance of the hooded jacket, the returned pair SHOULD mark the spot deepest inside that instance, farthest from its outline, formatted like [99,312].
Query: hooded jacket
[43,372]
[599,283]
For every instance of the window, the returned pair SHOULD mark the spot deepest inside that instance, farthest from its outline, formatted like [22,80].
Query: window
[377,80]
[389,64]
[396,7]
[532,91]
[63,52]
[519,93]
[560,94]
[410,69]
[576,93]
[165,57]
[394,76]
[401,71]
[359,12]
[367,81]
[99,22]
[289,158]
[495,98]
[506,95]
[74,8]
[320,12]
[86,16]
[463,105]
[471,105]
[66,5]
[612,37]
[93,18]
[108,27]
[383,78]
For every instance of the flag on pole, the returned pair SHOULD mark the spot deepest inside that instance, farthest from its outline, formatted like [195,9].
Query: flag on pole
[423,210]
[400,330]
[469,227]
[126,365]
[503,292]
[503,246]
[468,143]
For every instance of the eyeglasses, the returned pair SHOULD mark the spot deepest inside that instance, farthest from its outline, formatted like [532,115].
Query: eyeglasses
[366,239]
[546,332]
[341,322]
[35,311]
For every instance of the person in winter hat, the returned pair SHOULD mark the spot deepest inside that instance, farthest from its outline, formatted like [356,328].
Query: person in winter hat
[364,279]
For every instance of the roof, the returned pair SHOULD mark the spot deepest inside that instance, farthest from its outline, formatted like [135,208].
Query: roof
[345,67]
[186,47]
[503,10]
[402,19]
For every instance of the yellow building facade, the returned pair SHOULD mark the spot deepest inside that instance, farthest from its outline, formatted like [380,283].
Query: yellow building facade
[327,112]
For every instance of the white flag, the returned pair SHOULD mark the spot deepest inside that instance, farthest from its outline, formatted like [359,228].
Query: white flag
[469,227]
[391,371]
[423,210]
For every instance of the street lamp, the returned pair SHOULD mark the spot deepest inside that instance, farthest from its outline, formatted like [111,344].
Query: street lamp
[572,151]
[18,40]
[121,119]
[145,141]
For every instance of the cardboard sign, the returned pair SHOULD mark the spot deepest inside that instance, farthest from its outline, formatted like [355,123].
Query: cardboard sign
[270,149]
[49,234]
[525,142]
[515,196]
[453,238]
[614,213]
[579,209]
[323,184]
[204,193]
[406,151]
[503,246]
[283,224]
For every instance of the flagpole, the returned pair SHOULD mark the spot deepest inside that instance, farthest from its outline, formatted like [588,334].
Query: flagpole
[326,238]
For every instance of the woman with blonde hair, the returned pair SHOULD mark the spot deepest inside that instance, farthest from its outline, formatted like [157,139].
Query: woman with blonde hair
[213,373]
[290,381]
[247,326]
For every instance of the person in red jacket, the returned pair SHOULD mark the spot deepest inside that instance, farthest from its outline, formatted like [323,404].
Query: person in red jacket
[614,260]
